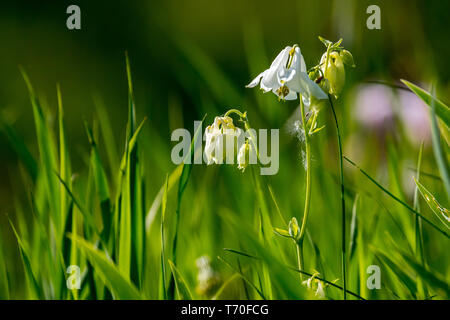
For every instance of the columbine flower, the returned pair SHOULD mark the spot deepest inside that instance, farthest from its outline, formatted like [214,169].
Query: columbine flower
[243,157]
[207,279]
[315,285]
[217,136]
[287,76]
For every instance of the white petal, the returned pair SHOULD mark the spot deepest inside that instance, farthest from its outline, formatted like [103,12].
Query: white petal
[285,75]
[298,63]
[257,80]
[301,83]
[270,79]
[292,95]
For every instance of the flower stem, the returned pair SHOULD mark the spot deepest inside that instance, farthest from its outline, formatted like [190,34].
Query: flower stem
[343,251]
[307,190]
[299,246]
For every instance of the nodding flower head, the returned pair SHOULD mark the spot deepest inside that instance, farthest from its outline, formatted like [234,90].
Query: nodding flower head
[217,135]
[207,278]
[315,285]
[287,77]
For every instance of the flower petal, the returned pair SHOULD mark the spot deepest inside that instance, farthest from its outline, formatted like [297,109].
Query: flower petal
[301,83]
[257,80]
[270,79]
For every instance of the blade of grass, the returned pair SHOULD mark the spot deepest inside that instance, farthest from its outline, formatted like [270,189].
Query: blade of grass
[442,213]
[184,178]
[108,137]
[403,277]
[397,199]
[173,178]
[441,159]
[163,257]
[247,255]
[442,110]
[20,148]
[418,230]
[109,273]
[33,286]
[243,277]
[47,151]
[180,284]
[101,184]
[4,281]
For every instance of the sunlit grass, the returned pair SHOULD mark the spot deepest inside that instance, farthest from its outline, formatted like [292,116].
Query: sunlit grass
[132,242]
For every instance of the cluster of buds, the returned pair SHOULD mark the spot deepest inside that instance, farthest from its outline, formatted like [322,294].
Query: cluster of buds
[329,74]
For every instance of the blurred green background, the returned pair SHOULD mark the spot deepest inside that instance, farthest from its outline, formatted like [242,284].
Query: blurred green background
[191,58]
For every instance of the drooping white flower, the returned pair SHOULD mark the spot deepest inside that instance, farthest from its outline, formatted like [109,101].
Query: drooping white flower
[315,285]
[207,278]
[220,135]
[287,76]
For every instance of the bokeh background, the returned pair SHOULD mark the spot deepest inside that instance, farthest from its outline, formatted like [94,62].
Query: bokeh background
[191,58]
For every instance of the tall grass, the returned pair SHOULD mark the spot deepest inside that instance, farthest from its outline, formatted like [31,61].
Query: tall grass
[135,228]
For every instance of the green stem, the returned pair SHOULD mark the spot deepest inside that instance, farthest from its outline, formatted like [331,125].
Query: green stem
[299,246]
[307,190]
[341,169]
[418,232]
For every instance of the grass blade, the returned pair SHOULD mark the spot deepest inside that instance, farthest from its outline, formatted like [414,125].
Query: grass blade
[442,213]
[108,271]
[180,284]
[441,160]
[442,110]
[397,199]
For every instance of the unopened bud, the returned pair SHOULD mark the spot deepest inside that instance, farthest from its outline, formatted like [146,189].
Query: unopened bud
[347,58]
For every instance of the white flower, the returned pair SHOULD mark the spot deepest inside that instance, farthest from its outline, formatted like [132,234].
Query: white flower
[287,76]
[218,137]
[320,293]
[315,285]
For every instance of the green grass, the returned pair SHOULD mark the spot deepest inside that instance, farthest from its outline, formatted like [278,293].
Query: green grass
[135,223]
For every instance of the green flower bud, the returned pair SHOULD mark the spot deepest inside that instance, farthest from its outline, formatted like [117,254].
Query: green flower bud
[347,58]
[314,74]
[334,72]
[294,230]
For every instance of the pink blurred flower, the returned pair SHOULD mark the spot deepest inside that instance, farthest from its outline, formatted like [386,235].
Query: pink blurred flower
[377,105]
[373,106]
[415,117]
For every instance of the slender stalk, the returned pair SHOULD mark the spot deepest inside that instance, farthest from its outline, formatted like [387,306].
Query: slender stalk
[418,232]
[341,169]
[299,246]
[307,190]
